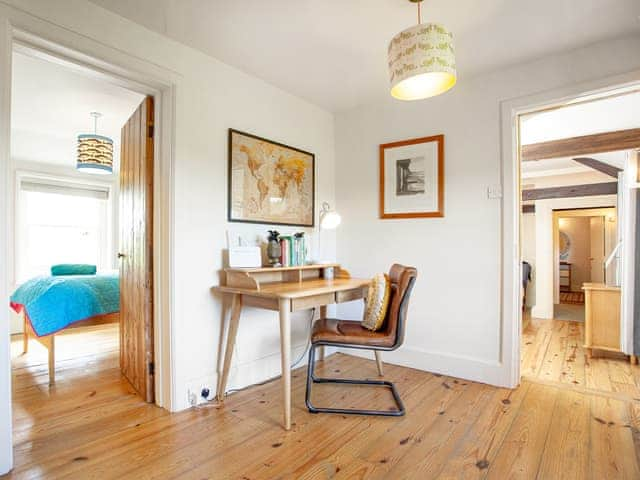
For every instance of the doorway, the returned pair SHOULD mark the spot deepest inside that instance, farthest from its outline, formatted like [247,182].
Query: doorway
[573,174]
[136,74]
[585,238]
[77,217]
[73,209]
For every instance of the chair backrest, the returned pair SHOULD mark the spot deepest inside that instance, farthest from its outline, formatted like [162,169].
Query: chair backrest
[402,279]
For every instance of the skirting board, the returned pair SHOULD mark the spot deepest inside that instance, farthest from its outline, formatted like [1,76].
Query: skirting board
[537,312]
[244,375]
[466,368]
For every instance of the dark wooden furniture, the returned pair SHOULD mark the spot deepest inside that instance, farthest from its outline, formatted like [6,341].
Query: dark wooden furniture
[351,334]
[565,277]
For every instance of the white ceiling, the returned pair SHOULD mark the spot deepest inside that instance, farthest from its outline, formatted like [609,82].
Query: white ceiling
[50,106]
[333,52]
[574,120]
[567,166]
[578,119]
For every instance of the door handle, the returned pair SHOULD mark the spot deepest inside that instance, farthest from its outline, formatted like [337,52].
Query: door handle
[121,255]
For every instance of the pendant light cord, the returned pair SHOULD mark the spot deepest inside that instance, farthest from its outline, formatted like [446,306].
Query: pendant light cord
[419,14]
[96,116]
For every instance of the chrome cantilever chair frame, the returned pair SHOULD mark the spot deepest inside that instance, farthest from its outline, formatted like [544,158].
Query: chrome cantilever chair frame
[311,378]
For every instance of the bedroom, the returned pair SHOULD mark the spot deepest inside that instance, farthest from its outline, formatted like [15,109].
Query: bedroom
[67,220]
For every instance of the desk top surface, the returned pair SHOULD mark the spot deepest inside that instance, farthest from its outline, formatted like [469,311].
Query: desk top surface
[599,286]
[305,288]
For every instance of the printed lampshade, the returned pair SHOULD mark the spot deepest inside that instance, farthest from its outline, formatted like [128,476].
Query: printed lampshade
[95,154]
[421,62]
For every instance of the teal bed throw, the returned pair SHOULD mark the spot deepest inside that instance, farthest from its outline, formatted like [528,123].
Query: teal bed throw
[53,303]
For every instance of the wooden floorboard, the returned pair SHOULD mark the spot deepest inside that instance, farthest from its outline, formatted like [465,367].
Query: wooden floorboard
[553,352]
[91,425]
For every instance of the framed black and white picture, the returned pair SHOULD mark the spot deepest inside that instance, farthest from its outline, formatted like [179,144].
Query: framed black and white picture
[412,178]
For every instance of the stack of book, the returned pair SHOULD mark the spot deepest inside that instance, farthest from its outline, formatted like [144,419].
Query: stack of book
[294,250]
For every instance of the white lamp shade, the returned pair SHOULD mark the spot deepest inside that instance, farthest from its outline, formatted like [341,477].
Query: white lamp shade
[95,154]
[421,62]
[330,220]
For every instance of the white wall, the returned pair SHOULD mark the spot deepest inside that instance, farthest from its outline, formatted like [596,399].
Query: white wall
[6,447]
[455,314]
[210,97]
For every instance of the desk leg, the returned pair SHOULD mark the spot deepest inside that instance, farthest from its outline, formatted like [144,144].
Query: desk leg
[285,355]
[236,308]
[379,362]
[323,314]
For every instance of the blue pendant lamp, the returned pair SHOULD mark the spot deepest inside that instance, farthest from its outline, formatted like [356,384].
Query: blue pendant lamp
[95,152]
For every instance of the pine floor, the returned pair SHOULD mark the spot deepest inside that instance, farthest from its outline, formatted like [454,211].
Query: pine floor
[552,351]
[91,425]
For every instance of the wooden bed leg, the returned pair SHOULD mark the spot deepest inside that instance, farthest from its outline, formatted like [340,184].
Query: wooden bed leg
[52,360]
[25,336]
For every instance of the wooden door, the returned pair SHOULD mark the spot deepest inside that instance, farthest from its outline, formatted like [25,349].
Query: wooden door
[136,250]
[597,249]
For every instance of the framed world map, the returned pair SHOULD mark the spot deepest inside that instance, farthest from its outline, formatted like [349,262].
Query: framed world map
[269,182]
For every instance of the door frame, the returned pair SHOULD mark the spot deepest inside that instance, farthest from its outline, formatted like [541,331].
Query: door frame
[21,30]
[510,111]
[578,212]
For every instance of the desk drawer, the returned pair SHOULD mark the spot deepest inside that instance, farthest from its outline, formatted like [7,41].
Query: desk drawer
[349,295]
[312,301]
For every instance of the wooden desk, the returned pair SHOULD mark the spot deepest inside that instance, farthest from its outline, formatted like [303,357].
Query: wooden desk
[285,290]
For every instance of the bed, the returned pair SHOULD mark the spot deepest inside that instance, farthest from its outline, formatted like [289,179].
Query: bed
[50,304]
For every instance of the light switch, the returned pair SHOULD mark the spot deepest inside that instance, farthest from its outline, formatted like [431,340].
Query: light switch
[494,191]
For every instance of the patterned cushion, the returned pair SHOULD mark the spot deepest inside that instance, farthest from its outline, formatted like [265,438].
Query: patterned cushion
[377,302]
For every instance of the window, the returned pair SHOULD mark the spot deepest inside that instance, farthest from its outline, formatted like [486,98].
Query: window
[61,223]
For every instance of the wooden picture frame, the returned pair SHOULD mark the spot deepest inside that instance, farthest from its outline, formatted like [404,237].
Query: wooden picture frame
[412,178]
[262,171]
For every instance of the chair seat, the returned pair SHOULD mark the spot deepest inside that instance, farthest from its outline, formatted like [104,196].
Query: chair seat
[349,332]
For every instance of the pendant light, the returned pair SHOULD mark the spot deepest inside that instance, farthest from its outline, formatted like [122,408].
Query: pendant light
[421,61]
[95,152]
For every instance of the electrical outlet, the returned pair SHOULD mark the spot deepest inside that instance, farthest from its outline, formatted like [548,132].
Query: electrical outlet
[205,393]
[494,191]
[192,398]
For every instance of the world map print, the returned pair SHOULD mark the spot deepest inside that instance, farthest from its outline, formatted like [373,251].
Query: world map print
[269,182]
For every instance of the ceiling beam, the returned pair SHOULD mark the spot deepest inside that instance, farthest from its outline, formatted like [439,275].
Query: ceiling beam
[601,167]
[588,190]
[585,145]
[529,208]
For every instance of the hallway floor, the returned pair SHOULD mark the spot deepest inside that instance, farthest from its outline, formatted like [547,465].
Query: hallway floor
[572,312]
[552,351]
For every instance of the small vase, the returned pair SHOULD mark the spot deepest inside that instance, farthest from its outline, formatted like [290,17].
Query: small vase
[273,253]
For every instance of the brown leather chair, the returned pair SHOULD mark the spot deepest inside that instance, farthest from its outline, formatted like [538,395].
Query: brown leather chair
[350,334]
